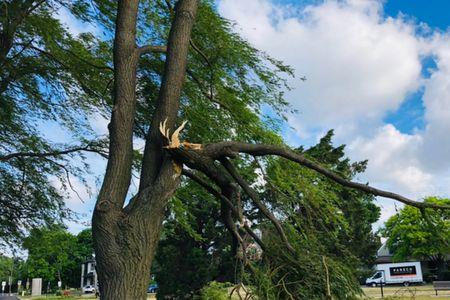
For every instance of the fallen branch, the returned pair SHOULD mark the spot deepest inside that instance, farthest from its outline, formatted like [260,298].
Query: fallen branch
[233,149]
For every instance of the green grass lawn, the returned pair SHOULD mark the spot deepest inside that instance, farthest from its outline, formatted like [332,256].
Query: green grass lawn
[421,292]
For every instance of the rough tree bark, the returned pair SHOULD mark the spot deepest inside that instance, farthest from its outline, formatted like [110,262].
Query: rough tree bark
[126,236]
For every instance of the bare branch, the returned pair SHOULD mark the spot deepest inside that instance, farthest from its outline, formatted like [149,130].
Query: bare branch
[67,172]
[209,94]
[152,49]
[54,58]
[101,67]
[87,148]
[13,58]
[210,189]
[232,149]
[203,55]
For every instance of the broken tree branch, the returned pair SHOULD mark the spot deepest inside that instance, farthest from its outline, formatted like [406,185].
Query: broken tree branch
[232,149]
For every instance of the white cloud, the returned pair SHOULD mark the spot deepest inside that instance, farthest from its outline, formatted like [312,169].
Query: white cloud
[394,160]
[99,124]
[74,25]
[437,102]
[357,65]
[360,66]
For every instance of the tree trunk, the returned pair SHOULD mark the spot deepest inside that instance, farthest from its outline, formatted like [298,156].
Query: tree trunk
[128,275]
[125,238]
[125,248]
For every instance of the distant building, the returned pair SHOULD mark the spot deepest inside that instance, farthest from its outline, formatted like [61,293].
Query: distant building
[88,274]
[384,256]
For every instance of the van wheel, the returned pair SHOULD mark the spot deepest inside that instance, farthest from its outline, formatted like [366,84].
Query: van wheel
[406,283]
[374,284]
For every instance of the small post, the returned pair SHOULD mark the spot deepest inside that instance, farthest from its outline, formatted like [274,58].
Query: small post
[82,276]
[10,283]
[381,285]
[19,286]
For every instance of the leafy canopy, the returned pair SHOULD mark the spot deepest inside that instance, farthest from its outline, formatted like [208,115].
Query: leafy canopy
[52,79]
[49,78]
[55,254]
[412,234]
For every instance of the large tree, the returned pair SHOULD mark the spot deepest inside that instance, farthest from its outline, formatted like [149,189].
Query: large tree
[125,232]
[155,45]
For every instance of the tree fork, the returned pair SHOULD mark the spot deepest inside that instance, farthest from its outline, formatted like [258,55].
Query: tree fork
[125,238]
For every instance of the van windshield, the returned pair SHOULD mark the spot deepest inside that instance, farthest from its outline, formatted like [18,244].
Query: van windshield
[376,275]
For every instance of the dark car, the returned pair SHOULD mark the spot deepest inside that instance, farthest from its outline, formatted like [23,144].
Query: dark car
[153,288]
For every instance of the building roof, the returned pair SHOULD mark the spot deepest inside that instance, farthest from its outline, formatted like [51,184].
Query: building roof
[384,250]
[384,255]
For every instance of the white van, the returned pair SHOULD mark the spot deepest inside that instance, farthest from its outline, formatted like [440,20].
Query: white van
[396,273]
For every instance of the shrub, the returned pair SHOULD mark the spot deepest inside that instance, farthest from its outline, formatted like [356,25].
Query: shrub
[215,291]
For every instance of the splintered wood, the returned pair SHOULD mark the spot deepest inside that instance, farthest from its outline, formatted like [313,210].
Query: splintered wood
[174,140]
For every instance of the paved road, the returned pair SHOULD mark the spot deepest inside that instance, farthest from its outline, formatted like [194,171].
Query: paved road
[8,297]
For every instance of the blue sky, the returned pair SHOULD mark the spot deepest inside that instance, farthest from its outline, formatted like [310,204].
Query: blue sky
[435,13]
[378,73]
